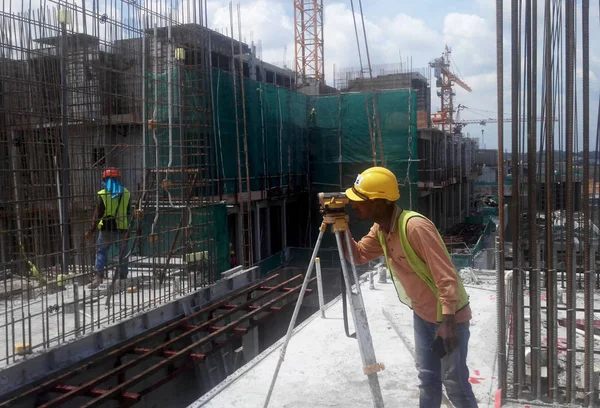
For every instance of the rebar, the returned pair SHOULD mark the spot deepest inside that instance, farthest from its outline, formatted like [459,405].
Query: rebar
[569,131]
[500,257]
[514,202]
[534,281]
[588,369]
[549,252]
[82,90]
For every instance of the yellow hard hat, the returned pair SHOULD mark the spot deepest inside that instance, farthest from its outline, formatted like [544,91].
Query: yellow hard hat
[373,183]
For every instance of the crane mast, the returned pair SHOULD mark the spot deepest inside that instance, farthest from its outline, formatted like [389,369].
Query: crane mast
[445,79]
[308,38]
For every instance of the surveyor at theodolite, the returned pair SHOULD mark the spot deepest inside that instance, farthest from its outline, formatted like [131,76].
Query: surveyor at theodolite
[425,280]
[111,219]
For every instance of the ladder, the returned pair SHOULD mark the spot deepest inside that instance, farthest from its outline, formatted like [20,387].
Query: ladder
[245,213]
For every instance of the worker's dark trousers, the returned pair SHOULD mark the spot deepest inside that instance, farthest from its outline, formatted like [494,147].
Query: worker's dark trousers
[106,239]
[451,370]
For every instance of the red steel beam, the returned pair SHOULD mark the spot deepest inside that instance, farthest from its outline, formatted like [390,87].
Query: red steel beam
[136,379]
[125,349]
[250,307]
[129,397]
[168,353]
[158,350]
[308,291]
[185,368]
[198,358]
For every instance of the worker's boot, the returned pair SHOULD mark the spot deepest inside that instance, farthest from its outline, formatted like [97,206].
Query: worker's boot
[95,283]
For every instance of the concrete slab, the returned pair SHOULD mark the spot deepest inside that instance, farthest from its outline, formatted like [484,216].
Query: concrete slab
[322,367]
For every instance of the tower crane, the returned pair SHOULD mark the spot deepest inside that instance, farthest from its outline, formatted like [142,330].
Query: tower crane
[445,79]
[460,124]
[308,38]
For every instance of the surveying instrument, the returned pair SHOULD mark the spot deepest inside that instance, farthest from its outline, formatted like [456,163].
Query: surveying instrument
[333,210]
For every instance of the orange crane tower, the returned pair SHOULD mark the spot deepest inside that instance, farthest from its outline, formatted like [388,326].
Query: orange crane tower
[308,36]
[445,79]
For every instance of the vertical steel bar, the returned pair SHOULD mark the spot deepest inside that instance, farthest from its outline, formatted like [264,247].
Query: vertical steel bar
[570,268]
[532,205]
[588,370]
[65,148]
[514,202]
[549,168]
[76,312]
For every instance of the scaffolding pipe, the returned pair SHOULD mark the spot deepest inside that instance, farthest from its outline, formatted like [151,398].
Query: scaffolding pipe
[170,95]
[65,144]
[144,117]
[156,163]
[170,63]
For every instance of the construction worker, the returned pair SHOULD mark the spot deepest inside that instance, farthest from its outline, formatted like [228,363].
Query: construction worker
[111,219]
[425,279]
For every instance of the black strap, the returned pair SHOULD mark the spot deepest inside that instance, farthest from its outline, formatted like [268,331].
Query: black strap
[345,307]
[113,218]
[361,195]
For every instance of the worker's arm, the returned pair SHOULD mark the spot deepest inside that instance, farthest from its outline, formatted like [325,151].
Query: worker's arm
[98,213]
[427,244]
[365,250]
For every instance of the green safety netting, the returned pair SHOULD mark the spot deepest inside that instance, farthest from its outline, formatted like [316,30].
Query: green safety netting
[208,224]
[289,135]
[340,144]
[276,127]
[184,145]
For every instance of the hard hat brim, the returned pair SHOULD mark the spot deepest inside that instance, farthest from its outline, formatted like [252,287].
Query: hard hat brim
[352,196]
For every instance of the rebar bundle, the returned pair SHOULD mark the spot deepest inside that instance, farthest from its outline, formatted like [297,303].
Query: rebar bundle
[546,331]
[86,87]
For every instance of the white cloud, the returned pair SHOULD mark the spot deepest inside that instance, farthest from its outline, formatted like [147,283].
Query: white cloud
[473,41]
[262,19]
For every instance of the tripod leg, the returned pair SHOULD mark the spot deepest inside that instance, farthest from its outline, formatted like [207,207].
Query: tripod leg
[363,334]
[351,255]
[295,315]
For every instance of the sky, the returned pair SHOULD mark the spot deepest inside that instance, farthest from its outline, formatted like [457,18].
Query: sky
[418,31]
[397,31]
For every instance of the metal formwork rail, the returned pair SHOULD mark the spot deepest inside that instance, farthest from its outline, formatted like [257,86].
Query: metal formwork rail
[266,292]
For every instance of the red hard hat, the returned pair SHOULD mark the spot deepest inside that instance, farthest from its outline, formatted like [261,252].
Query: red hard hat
[111,172]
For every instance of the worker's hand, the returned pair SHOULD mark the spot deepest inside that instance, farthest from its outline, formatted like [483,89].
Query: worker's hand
[447,331]
[88,235]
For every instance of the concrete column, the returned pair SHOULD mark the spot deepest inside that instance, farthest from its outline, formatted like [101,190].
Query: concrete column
[3,241]
[240,236]
[258,246]
[284,223]
[444,206]
[252,65]
[268,230]
[250,344]
[431,207]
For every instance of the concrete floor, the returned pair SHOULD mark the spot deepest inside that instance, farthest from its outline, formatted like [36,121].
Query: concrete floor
[322,367]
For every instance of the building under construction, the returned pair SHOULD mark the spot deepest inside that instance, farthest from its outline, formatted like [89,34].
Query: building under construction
[224,155]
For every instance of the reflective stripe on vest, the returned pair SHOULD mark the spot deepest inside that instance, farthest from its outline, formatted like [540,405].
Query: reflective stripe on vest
[111,210]
[418,266]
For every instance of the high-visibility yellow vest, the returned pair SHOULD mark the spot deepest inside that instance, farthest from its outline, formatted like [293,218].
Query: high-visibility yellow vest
[115,207]
[418,266]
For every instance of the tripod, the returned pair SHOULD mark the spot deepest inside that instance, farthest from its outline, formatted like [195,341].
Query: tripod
[336,217]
